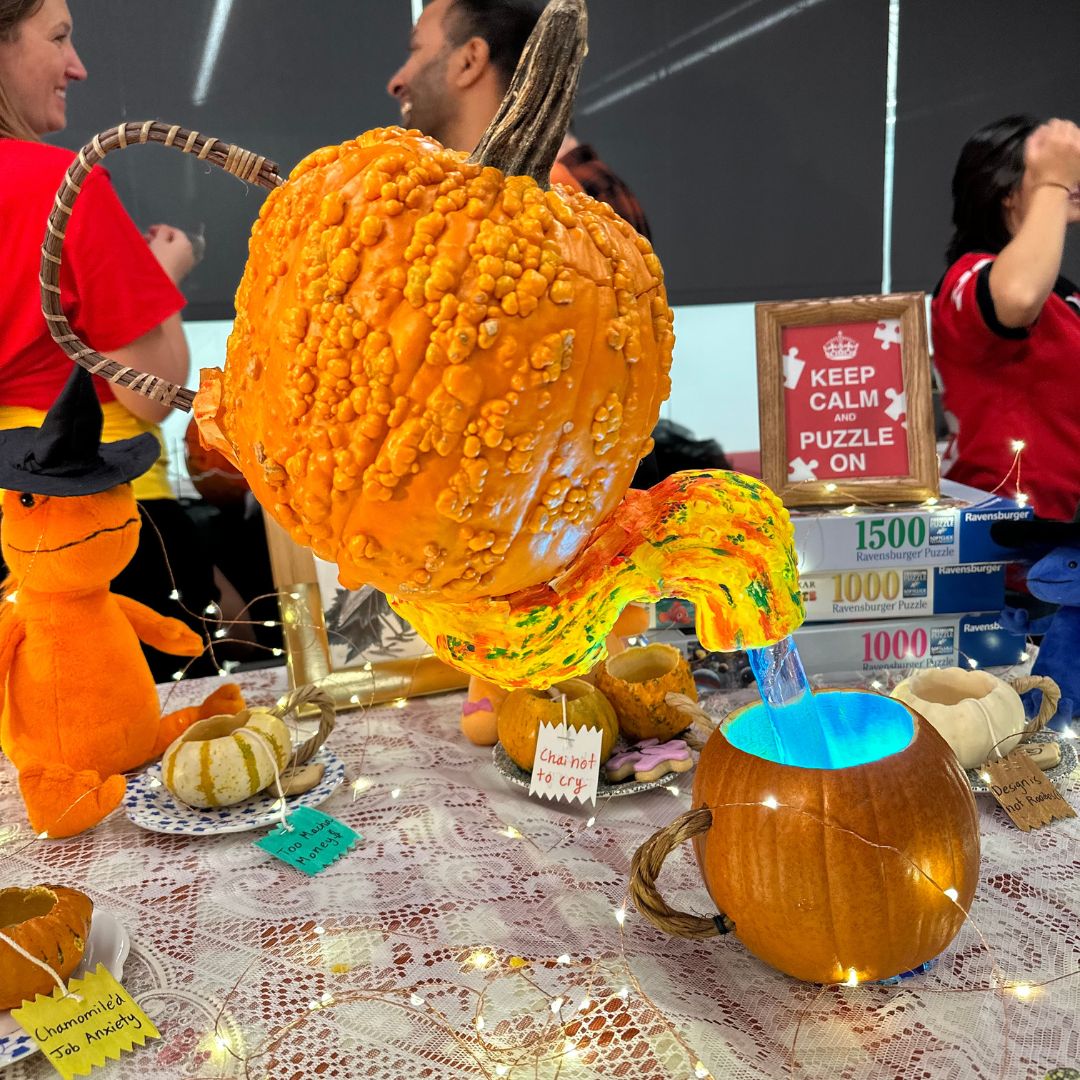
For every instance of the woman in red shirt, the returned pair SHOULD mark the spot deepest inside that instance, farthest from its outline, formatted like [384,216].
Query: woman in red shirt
[1005,324]
[118,287]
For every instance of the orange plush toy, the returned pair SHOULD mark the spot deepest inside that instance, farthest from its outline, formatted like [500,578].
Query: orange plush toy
[80,706]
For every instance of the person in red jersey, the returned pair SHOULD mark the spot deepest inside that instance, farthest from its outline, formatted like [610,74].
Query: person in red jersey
[1005,323]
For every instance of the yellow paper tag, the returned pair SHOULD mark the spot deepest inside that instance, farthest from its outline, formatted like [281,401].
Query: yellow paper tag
[94,1021]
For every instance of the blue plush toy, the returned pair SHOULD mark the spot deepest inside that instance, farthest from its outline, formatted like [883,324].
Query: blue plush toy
[1055,578]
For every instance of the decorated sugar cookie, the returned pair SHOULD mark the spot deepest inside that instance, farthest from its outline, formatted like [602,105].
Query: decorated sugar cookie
[649,760]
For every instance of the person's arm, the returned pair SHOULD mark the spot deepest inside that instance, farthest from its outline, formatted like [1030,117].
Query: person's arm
[163,350]
[1023,275]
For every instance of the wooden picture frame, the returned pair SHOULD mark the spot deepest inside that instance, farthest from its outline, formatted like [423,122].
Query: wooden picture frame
[833,428]
[367,681]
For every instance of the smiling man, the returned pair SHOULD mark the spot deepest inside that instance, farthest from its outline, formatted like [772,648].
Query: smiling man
[462,55]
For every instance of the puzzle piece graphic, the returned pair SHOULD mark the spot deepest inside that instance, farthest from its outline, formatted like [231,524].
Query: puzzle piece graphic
[793,368]
[888,332]
[799,470]
[898,407]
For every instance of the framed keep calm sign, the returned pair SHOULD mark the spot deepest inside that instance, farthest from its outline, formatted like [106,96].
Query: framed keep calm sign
[844,400]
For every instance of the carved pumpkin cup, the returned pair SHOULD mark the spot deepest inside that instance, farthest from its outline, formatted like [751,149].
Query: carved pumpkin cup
[443,374]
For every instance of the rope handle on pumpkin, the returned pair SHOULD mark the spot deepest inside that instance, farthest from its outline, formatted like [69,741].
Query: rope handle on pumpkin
[1051,695]
[645,869]
[250,167]
[295,700]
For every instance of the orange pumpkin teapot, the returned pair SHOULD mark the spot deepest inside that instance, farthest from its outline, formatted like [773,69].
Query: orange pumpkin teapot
[442,376]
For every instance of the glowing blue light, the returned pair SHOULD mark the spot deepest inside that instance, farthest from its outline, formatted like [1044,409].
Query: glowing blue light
[858,728]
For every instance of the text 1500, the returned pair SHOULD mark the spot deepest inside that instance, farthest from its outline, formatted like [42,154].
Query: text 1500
[896,533]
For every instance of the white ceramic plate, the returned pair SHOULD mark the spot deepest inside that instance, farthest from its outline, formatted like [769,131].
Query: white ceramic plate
[1059,772]
[605,789]
[151,806]
[107,944]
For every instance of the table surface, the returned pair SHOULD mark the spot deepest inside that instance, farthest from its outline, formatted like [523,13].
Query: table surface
[474,932]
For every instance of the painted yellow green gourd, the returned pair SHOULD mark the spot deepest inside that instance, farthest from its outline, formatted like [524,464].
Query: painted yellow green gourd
[226,759]
[978,715]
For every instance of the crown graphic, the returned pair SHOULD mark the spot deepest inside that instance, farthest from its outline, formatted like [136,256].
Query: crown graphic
[841,347]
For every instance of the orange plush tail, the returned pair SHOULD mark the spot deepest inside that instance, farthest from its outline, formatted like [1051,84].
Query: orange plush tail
[224,701]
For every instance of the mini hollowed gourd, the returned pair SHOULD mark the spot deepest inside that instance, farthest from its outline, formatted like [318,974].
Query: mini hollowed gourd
[977,714]
[523,711]
[226,759]
[637,681]
[829,875]
[52,924]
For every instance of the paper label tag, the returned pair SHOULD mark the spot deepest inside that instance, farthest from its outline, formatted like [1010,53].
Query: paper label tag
[1028,797]
[94,1021]
[567,763]
[314,841]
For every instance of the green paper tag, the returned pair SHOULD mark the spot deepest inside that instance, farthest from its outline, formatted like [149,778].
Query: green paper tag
[82,1028]
[310,840]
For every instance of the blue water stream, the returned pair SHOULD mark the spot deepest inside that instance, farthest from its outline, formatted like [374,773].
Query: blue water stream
[805,735]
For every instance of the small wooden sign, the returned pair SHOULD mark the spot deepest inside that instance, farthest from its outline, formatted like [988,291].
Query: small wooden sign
[1028,797]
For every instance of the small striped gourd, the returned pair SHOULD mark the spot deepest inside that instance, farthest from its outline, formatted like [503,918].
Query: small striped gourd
[226,759]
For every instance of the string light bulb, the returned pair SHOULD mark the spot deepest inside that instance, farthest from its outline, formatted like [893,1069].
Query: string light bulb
[852,979]
[620,915]
[952,894]
[480,959]
[1022,990]
[830,487]
[174,595]
[1017,445]
[770,802]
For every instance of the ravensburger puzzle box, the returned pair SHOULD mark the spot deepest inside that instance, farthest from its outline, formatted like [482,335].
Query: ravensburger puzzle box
[952,530]
[889,593]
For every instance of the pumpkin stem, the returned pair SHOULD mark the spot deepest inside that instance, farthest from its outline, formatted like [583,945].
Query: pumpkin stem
[524,137]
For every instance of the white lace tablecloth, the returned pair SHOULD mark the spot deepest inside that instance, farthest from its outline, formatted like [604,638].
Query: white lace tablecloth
[474,932]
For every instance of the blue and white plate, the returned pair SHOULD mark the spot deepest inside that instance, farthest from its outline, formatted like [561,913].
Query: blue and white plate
[153,807]
[108,944]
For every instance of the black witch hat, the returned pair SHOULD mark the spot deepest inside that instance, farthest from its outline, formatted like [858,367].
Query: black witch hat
[66,456]
[1037,532]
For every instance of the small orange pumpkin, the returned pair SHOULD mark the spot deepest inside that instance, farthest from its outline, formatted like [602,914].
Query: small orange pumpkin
[637,681]
[52,924]
[523,711]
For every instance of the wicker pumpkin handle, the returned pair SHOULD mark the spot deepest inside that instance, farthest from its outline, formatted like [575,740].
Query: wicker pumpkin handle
[242,163]
[1051,695]
[646,867]
[295,700]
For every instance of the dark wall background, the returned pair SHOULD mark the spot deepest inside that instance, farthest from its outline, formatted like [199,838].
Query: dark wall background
[291,76]
[752,130]
[963,65]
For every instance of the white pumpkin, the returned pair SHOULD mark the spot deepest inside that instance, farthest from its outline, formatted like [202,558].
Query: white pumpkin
[226,759]
[976,713]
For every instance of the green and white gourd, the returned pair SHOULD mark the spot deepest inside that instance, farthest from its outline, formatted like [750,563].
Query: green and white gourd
[226,759]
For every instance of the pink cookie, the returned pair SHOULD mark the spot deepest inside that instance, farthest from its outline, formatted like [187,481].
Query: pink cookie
[649,760]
